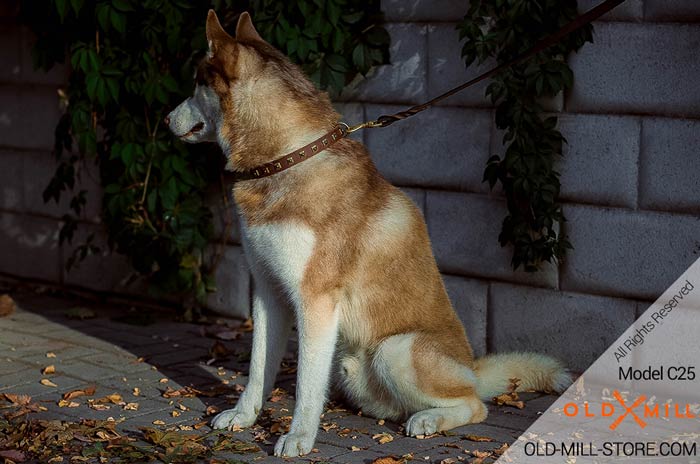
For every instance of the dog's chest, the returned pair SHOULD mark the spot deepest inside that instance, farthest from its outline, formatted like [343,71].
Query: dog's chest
[282,249]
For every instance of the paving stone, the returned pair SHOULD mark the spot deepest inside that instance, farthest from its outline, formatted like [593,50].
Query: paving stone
[625,253]
[672,10]
[468,297]
[101,367]
[404,79]
[409,157]
[464,232]
[620,72]
[578,328]
[669,165]
[600,161]
[29,246]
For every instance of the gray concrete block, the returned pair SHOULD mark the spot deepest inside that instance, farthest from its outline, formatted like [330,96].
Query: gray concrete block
[630,10]
[424,10]
[224,216]
[446,68]
[670,165]
[404,79]
[105,270]
[635,68]
[38,170]
[232,296]
[28,116]
[57,75]
[468,297]
[12,190]
[599,165]
[443,147]
[672,10]
[575,328]
[10,53]
[29,247]
[464,231]
[626,253]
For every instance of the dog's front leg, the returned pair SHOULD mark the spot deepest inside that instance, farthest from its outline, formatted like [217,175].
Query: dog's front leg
[272,324]
[317,324]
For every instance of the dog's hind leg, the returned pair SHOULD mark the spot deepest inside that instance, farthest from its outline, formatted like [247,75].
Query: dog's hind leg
[272,324]
[438,392]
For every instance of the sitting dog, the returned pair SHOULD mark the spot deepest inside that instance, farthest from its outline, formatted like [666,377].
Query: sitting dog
[335,248]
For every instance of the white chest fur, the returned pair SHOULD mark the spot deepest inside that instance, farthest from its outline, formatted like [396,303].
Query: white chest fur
[280,249]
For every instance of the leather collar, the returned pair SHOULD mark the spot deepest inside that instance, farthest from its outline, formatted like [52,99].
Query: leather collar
[292,159]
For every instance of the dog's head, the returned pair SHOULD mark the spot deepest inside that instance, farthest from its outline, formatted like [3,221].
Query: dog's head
[247,95]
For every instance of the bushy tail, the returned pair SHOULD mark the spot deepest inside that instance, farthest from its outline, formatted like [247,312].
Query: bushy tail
[535,371]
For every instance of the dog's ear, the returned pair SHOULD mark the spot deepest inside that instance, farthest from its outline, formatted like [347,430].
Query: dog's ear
[217,37]
[245,29]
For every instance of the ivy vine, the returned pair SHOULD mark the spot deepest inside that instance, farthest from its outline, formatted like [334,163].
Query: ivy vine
[131,63]
[503,29]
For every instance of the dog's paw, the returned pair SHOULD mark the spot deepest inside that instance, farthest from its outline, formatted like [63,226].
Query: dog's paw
[233,419]
[423,423]
[294,444]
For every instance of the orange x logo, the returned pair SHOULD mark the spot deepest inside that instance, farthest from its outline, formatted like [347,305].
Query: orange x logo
[628,410]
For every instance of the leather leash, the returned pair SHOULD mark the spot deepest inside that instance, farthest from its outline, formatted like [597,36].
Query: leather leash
[340,131]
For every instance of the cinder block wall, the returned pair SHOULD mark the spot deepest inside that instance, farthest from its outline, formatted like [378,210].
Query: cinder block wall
[630,176]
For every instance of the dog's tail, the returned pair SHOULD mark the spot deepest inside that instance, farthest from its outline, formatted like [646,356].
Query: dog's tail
[535,372]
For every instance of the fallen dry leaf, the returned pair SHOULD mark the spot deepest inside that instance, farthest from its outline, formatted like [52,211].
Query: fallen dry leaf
[277,395]
[50,369]
[47,383]
[510,398]
[218,350]
[477,438]
[163,380]
[388,460]
[175,413]
[7,305]
[50,355]
[88,391]
[67,404]
[136,391]
[158,422]
[114,398]
[211,410]
[131,406]
[383,438]
[355,448]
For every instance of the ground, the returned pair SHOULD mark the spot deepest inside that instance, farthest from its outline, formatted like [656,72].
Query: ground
[57,349]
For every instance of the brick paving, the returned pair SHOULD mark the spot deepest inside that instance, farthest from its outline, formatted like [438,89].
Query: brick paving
[118,357]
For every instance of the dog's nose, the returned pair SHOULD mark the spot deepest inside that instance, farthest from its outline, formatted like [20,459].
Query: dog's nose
[167,120]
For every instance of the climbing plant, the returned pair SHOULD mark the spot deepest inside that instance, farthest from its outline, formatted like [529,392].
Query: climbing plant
[131,62]
[501,30]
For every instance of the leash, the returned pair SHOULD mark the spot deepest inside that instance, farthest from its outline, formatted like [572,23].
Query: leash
[578,22]
[343,129]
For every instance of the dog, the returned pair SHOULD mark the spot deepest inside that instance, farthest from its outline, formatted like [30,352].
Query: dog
[335,248]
